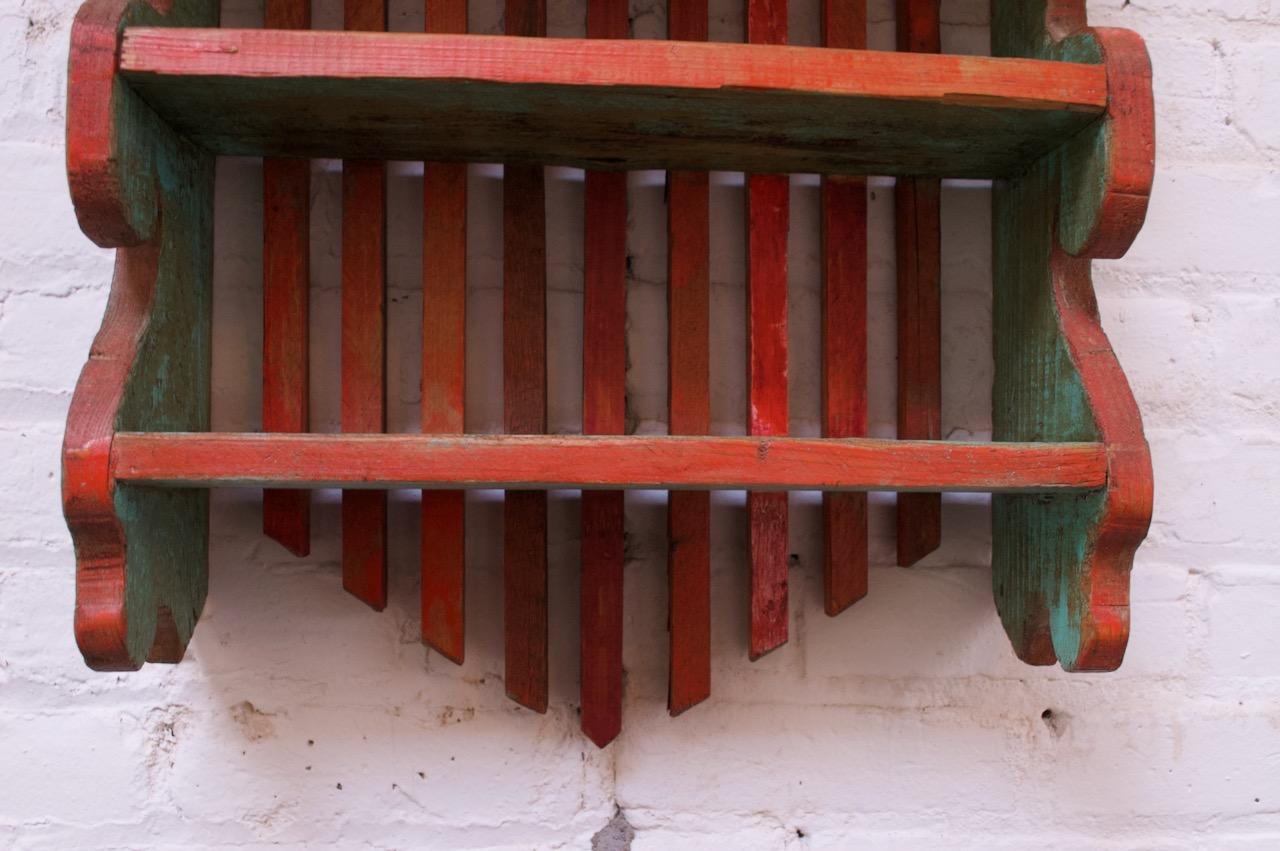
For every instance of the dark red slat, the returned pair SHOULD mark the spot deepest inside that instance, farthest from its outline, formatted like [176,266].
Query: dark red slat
[524,323]
[919,251]
[688,318]
[286,220]
[444,321]
[364,331]
[767,215]
[844,340]
[768,218]
[604,378]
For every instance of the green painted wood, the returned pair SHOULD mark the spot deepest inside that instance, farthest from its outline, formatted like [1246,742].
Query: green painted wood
[142,552]
[1061,562]
[753,128]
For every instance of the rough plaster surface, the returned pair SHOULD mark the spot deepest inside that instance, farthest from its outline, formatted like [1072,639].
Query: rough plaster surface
[301,719]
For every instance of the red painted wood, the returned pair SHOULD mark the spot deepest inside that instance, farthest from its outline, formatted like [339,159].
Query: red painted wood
[767,223]
[1110,226]
[141,563]
[286,220]
[919,252]
[844,340]
[601,612]
[689,512]
[286,194]
[1000,84]
[559,462]
[444,321]
[689,406]
[364,340]
[604,399]
[524,329]
[524,326]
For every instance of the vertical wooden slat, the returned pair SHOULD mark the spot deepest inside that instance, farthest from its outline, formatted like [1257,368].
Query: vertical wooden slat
[444,322]
[524,351]
[286,220]
[364,272]
[844,340]
[919,251]
[768,215]
[604,399]
[688,346]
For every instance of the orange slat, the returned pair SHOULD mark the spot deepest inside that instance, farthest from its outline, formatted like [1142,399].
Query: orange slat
[844,340]
[286,221]
[364,329]
[444,322]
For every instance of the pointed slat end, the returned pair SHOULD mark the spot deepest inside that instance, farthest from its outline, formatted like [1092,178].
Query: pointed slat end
[681,703]
[763,645]
[531,699]
[834,605]
[602,731]
[372,599]
[286,519]
[919,526]
[454,653]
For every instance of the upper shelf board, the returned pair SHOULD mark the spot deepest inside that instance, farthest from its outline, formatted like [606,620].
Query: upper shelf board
[608,104]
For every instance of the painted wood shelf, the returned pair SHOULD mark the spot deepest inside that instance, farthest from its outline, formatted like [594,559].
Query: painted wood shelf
[528,462]
[609,104]
[1061,117]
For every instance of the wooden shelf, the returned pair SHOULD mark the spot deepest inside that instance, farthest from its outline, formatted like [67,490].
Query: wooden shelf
[1065,117]
[609,104]
[590,462]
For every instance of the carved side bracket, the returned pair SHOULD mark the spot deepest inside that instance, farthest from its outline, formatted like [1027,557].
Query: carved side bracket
[1061,563]
[141,189]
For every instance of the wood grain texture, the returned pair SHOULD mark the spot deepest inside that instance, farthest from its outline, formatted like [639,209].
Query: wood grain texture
[524,341]
[444,325]
[1060,566]
[767,545]
[286,381]
[141,553]
[844,340]
[604,401]
[524,326]
[768,221]
[918,226]
[919,244]
[689,407]
[592,103]
[364,344]
[600,462]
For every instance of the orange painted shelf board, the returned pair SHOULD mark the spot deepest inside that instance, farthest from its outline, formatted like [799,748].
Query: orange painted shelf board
[606,103]
[544,462]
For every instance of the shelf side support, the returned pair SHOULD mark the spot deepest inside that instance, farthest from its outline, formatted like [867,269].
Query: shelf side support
[1061,562]
[141,552]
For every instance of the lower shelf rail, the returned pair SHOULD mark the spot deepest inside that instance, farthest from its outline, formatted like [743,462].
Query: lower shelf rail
[593,462]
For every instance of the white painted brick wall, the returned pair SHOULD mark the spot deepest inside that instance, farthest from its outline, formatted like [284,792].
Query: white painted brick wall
[301,719]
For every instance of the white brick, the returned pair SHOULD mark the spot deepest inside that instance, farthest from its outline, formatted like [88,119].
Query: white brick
[904,723]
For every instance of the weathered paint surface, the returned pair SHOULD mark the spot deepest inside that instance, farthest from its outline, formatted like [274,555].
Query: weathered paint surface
[1061,564]
[627,104]
[141,553]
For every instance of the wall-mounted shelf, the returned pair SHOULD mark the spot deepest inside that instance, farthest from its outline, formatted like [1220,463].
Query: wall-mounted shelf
[1062,118]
